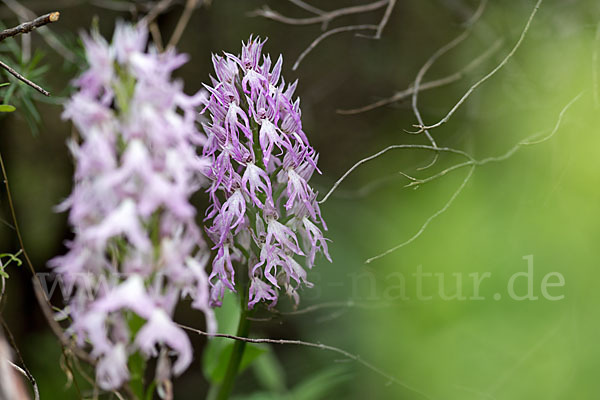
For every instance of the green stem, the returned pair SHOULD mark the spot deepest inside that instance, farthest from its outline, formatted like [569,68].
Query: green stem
[239,346]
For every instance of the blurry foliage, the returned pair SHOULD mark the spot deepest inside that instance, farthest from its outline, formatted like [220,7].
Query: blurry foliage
[36,68]
[19,93]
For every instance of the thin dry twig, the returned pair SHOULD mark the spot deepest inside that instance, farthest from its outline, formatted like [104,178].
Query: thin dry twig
[403,94]
[321,346]
[24,370]
[422,127]
[531,140]
[385,150]
[473,163]
[46,307]
[29,26]
[36,391]
[190,5]
[385,19]
[158,8]
[41,297]
[434,57]
[325,35]
[23,79]
[156,36]
[50,38]
[325,18]
[428,221]
[307,7]
[24,28]
[417,85]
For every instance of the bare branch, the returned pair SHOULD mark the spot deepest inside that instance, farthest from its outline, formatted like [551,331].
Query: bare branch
[417,85]
[40,295]
[532,139]
[156,10]
[23,79]
[486,77]
[307,7]
[156,36]
[321,346]
[327,17]
[29,26]
[431,218]
[398,96]
[325,35]
[473,164]
[385,19]
[50,38]
[385,150]
[46,307]
[24,28]
[24,371]
[190,5]
[443,50]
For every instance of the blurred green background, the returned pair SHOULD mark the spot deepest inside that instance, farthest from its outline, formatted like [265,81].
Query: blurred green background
[541,202]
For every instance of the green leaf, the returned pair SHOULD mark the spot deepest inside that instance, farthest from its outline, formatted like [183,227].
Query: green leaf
[227,319]
[7,108]
[270,373]
[31,109]
[137,367]
[4,84]
[136,362]
[251,353]
[320,384]
[218,350]
[9,93]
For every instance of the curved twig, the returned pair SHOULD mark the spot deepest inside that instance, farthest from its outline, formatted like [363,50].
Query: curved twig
[525,142]
[327,17]
[321,346]
[385,150]
[385,19]
[426,223]
[421,74]
[190,5]
[307,7]
[24,371]
[401,95]
[422,127]
[325,35]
